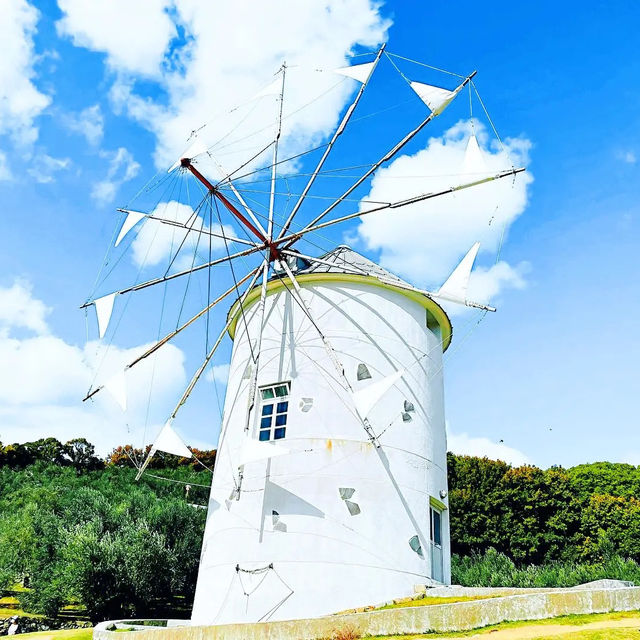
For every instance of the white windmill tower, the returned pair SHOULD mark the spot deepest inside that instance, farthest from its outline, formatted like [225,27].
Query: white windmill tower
[330,487]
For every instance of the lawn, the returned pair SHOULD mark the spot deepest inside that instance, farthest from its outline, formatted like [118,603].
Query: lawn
[432,600]
[66,634]
[615,626]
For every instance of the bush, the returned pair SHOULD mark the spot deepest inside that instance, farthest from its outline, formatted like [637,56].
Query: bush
[494,569]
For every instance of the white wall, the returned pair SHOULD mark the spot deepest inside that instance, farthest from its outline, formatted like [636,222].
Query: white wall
[329,559]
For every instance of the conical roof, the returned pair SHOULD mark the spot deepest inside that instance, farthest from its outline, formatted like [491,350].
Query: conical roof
[344,259]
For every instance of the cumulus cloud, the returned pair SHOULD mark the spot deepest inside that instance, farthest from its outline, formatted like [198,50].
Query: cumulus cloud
[133,35]
[43,379]
[89,123]
[627,156]
[5,172]
[464,444]
[227,52]
[20,100]
[44,167]
[218,373]
[424,241]
[155,242]
[122,168]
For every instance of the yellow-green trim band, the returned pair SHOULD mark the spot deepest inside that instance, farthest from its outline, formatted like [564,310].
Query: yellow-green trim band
[314,278]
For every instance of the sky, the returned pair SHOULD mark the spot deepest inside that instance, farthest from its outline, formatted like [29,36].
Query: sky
[97,100]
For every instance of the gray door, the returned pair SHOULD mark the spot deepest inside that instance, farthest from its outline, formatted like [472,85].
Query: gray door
[437,568]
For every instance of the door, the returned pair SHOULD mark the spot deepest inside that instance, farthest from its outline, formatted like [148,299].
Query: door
[437,567]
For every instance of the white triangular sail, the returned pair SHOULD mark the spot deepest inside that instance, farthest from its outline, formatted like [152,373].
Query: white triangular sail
[117,387]
[365,399]
[194,150]
[473,163]
[272,89]
[132,219]
[359,72]
[104,307]
[435,98]
[170,442]
[253,450]
[455,288]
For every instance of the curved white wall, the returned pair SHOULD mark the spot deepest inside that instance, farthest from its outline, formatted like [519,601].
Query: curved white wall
[324,559]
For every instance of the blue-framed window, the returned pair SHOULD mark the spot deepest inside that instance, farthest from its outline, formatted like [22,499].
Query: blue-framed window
[274,409]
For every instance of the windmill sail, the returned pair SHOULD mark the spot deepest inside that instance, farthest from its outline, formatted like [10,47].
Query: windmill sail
[132,219]
[359,72]
[435,98]
[365,399]
[104,308]
[455,288]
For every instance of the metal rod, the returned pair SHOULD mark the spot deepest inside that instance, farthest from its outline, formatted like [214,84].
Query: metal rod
[387,156]
[150,283]
[325,155]
[186,162]
[291,238]
[181,225]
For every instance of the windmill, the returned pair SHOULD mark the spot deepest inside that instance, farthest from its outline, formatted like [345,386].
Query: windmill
[330,487]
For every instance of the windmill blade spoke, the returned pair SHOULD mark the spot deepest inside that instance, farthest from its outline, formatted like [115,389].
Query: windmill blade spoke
[151,283]
[387,156]
[293,237]
[186,227]
[341,127]
[212,351]
[333,356]
[240,199]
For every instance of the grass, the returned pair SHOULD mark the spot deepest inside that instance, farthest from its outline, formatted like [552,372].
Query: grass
[66,634]
[569,620]
[495,569]
[433,600]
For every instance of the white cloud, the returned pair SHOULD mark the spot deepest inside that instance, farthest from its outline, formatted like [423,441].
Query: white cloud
[486,283]
[122,168]
[5,172]
[155,241]
[218,373]
[133,35]
[424,241]
[89,122]
[44,167]
[19,309]
[627,156]
[229,51]
[43,380]
[20,101]
[463,444]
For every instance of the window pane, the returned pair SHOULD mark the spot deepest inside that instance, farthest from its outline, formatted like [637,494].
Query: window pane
[282,391]
[265,423]
[282,407]
[281,420]
[279,433]
[267,394]
[264,435]
[267,410]
[436,527]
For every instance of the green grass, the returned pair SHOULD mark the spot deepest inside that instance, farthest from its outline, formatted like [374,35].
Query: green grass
[432,600]
[65,634]
[569,620]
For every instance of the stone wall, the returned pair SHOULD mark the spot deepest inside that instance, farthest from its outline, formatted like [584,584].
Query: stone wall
[457,616]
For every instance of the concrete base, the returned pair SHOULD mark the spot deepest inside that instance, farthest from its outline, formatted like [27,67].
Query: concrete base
[459,616]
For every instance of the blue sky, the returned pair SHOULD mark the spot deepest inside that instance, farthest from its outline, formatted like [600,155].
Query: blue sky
[109,93]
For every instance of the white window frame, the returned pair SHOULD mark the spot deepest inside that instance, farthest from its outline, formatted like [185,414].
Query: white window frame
[273,416]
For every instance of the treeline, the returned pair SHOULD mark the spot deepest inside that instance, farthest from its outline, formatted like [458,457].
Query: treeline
[101,540]
[587,513]
[81,530]
[81,455]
